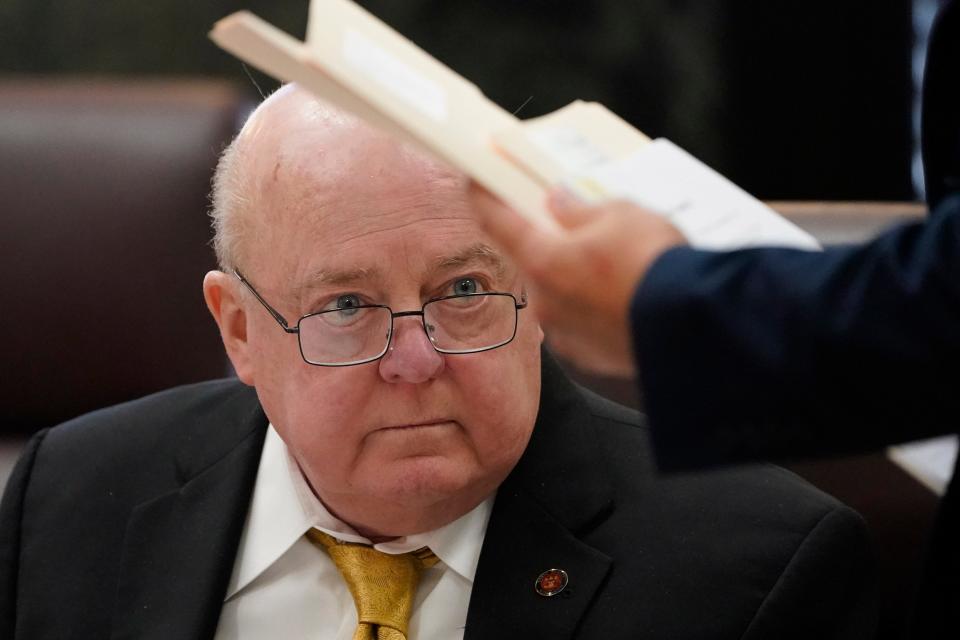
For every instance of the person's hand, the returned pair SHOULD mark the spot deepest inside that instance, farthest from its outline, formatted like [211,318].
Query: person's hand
[581,279]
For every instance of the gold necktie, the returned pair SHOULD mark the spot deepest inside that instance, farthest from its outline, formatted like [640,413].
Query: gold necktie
[382,584]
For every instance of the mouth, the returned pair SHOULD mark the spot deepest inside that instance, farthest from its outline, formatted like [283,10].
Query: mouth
[418,425]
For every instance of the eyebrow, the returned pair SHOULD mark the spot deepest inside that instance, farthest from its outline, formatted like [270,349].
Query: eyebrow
[478,253]
[336,278]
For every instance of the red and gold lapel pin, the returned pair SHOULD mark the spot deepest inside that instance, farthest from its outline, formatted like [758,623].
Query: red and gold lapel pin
[551,582]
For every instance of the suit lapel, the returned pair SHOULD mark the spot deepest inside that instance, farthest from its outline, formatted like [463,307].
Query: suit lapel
[554,496]
[179,547]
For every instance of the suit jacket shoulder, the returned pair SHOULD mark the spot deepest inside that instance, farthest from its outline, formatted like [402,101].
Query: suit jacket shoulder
[154,430]
[156,487]
[747,553]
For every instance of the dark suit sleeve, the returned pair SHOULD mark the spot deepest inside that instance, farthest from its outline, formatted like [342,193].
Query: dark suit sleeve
[779,353]
[826,589]
[11,515]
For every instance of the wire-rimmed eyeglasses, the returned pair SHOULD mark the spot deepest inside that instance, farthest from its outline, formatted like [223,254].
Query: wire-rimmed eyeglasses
[457,324]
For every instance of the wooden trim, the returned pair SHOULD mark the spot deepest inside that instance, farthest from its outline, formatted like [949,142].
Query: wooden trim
[796,209]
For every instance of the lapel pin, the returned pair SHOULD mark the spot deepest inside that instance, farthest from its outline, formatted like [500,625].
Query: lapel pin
[551,582]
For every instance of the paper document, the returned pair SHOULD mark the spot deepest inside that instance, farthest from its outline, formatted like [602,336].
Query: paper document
[360,64]
[710,210]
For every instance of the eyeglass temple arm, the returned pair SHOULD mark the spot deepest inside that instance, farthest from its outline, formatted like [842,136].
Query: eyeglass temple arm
[273,312]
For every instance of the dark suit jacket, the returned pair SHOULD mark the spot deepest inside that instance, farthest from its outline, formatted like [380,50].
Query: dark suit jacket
[774,352]
[124,523]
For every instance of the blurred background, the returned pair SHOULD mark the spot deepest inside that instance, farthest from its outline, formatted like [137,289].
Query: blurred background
[112,115]
[804,100]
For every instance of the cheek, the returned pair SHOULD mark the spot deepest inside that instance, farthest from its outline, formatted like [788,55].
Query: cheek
[274,353]
[318,411]
[325,414]
[328,405]
[500,397]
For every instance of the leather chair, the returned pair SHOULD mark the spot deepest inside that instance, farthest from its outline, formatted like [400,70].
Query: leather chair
[104,241]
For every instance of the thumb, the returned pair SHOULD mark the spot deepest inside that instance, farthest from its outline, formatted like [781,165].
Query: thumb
[568,209]
[507,227]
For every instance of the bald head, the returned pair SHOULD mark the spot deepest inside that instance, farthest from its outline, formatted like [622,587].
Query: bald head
[298,145]
[328,219]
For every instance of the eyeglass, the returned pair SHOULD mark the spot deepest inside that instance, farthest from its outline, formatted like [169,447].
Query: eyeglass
[457,324]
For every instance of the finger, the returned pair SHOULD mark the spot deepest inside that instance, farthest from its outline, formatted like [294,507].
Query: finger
[570,351]
[533,248]
[590,358]
[563,197]
[507,227]
[569,210]
[537,303]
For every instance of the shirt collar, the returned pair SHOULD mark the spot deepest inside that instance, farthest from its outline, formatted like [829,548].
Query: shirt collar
[284,507]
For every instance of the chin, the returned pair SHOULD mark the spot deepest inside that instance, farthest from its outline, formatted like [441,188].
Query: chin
[427,480]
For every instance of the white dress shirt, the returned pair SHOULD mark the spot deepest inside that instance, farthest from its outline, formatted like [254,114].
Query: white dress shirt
[285,587]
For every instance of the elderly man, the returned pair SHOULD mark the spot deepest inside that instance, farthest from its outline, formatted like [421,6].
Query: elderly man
[395,460]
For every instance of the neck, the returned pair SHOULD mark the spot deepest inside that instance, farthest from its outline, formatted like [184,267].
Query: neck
[374,538]
[387,521]
[393,521]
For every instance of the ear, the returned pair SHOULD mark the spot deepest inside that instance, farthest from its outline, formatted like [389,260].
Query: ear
[532,311]
[226,306]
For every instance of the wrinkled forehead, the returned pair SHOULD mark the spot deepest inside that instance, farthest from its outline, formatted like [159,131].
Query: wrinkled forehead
[297,155]
[345,184]
[349,204]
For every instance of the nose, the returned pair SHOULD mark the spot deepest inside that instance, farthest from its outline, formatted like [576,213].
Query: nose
[411,357]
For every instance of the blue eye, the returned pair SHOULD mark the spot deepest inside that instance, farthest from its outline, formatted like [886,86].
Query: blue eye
[465,286]
[347,304]
[348,301]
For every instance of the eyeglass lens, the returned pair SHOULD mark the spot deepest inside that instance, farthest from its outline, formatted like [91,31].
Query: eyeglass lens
[461,324]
